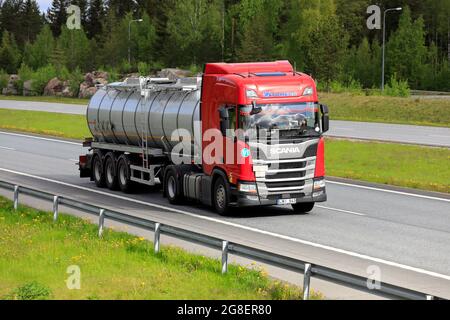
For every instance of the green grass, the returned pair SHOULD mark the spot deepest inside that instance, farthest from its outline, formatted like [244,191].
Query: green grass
[393,164]
[426,112]
[36,253]
[46,99]
[53,124]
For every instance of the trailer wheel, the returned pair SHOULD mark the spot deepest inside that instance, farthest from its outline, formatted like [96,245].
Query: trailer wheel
[123,175]
[111,173]
[303,208]
[98,172]
[172,187]
[221,197]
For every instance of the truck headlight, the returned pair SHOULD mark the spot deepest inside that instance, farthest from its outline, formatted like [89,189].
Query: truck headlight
[308,92]
[251,94]
[319,185]
[247,188]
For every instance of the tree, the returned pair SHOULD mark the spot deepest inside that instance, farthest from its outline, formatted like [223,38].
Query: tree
[38,53]
[83,5]
[57,15]
[259,22]
[9,53]
[10,20]
[406,49]
[31,20]
[95,16]
[113,41]
[143,39]
[363,64]
[325,49]
[194,32]
[353,16]
[122,7]
[76,48]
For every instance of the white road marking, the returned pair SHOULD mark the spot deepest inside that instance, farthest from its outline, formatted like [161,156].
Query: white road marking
[388,191]
[40,138]
[6,148]
[343,211]
[275,235]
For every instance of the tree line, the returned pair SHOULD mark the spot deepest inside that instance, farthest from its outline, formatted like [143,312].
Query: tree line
[328,39]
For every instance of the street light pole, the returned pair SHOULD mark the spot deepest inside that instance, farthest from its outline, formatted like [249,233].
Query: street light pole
[384,45]
[129,38]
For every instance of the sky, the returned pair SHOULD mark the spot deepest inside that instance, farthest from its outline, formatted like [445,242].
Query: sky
[44,4]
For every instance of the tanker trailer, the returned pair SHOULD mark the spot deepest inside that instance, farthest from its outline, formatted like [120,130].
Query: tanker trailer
[191,137]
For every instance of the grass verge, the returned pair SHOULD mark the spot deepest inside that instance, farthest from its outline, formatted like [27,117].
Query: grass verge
[426,112]
[400,165]
[53,124]
[36,253]
[46,99]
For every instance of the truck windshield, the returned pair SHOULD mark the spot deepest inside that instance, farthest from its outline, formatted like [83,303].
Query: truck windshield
[303,117]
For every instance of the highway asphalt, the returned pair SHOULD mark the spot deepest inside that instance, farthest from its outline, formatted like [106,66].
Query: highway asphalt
[406,234]
[428,136]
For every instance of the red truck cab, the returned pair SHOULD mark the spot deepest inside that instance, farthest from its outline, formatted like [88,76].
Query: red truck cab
[278,147]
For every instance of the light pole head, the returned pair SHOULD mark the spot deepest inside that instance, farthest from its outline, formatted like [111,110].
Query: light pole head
[399,9]
[140,20]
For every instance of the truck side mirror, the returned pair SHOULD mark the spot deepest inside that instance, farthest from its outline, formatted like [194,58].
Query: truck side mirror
[224,120]
[255,109]
[325,118]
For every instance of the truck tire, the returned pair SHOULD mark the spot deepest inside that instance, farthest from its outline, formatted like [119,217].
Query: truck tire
[172,187]
[303,208]
[98,172]
[123,175]
[221,196]
[111,172]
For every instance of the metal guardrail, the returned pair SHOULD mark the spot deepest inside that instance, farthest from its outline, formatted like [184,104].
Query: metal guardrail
[307,269]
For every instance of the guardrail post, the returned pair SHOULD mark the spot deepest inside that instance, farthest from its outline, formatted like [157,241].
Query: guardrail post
[225,257]
[307,281]
[157,237]
[101,222]
[16,197]
[55,208]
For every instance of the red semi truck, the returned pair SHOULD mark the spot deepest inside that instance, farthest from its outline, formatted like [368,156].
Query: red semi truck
[245,134]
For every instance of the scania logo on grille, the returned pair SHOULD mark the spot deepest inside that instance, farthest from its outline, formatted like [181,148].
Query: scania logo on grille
[285,150]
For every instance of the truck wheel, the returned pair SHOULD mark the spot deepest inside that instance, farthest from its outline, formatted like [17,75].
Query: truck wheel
[303,208]
[172,187]
[221,197]
[110,173]
[98,172]
[123,175]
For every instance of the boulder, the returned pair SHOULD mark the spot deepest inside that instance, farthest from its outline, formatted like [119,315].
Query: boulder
[91,80]
[56,87]
[53,87]
[66,90]
[174,74]
[86,91]
[28,88]
[11,87]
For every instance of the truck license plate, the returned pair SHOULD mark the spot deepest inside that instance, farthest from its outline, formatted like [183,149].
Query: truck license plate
[283,202]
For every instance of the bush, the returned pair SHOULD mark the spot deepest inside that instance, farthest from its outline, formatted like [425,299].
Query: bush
[25,74]
[4,78]
[350,86]
[144,69]
[397,88]
[42,76]
[30,291]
